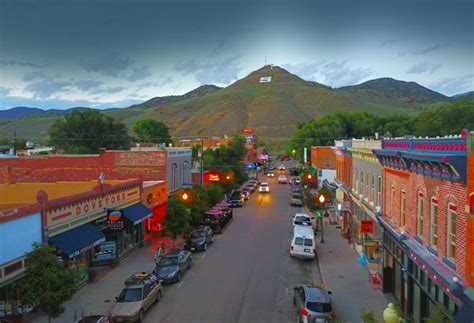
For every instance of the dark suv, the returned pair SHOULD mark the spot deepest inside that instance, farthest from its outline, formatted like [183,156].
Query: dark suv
[217,219]
[313,304]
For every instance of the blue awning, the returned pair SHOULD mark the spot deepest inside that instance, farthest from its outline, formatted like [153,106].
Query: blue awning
[77,240]
[137,213]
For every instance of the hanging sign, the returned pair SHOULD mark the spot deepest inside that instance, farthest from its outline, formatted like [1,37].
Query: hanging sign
[114,219]
[366,226]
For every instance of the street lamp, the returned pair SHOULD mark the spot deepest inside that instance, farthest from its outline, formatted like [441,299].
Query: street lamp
[322,200]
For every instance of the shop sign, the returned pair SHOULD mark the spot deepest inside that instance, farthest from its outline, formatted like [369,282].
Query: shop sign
[370,243]
[114,219]
[214,178]
[366,226]
[73,210]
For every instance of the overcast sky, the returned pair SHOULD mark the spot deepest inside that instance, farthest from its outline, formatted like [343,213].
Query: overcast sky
[61,54]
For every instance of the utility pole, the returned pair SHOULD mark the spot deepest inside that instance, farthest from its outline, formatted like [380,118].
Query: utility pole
[14,142]
[202,162]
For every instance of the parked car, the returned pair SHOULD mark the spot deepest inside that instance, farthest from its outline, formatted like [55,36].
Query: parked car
[217,219]
[303,244]
[173,265]
[282,179]
[304,219]
[247,192]
[313,304]
[296,190]
[296,199]
[236,202]
[264,188]
[199,239]
[141,290]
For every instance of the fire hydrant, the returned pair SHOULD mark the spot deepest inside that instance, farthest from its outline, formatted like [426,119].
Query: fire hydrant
[390,315]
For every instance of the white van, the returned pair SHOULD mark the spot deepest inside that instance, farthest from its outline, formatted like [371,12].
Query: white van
[303,244]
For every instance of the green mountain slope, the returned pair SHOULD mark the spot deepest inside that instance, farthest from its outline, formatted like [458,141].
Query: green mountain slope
[273,108]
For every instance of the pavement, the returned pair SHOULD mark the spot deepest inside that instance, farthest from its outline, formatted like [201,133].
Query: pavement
[347,279]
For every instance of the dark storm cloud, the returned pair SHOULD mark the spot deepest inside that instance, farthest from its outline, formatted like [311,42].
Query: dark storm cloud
[424,67]
[19,63]
[86,85]
[110,64]
[222,71]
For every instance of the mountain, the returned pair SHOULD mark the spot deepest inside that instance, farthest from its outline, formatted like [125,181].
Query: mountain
[457,96]
[19,112]
[271,100]
[391,92]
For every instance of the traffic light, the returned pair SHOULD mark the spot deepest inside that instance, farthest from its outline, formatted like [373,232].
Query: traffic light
[185,196]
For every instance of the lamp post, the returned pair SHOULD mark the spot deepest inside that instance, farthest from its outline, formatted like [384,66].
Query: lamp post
[321,200]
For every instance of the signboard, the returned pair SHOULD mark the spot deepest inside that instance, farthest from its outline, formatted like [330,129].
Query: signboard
[72,210]
[214,178]
[265,79]
[114,219]
[366,226]
[248,139]
[263,157]
[370,243]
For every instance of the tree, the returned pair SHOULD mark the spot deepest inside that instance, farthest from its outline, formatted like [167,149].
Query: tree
[47,283]
[198,205]
[19,145]
[177,219]
[214,194]
[88,131]
[149,130]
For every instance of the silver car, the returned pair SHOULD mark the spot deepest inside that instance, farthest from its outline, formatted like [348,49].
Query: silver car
[313,304]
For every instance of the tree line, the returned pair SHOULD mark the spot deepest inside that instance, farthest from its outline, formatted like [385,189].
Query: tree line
[435,120]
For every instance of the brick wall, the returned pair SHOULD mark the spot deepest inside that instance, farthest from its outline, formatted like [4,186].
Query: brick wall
[151,165]
[323,157]
[469,211]
[445,192]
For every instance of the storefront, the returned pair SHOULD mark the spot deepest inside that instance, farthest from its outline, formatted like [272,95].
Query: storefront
[97,227]
[155,197]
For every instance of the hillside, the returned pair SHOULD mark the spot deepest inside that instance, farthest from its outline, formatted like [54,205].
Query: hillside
[273,107]
[391,92]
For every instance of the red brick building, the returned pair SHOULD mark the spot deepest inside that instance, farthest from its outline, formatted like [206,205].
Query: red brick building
[424,223]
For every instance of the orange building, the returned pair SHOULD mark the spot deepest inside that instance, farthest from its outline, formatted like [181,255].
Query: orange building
[470,215]
[323,157]
[207,143]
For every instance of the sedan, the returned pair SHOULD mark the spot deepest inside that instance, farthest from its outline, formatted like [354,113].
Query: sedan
[271,174]
[264,188]
[199,239]
[282,179]
[173,265]
[281,167]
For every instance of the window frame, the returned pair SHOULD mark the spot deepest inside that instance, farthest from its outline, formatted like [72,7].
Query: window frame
[419,214]
[379,190]
[434,222]
[451,213]
[402,208]
[392,202]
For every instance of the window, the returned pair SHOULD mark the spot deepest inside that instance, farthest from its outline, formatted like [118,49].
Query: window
[379,191]
[372,191]
[185,178]
[434,222]
[451,252]
[392,198]
[356,175]
[402,209]
[299,241]
[367,189]
[361,188]
[174,175]
[419,215]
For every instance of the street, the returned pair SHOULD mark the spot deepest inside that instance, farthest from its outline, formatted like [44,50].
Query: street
[247,275]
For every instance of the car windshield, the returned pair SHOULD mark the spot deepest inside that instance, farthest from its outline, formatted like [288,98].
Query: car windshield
[130,295]
[296,196]
[264,184]
[308,242]
[319,307]
[299,241]
[168,261]
[198,234]
[302,219]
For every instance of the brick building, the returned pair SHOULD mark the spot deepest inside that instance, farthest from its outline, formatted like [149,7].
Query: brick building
[207,143]
[343,182]
[323,159]
[424,223]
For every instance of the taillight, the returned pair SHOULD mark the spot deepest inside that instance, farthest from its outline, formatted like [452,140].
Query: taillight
[304,312]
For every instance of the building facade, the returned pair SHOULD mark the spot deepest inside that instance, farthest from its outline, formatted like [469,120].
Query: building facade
[424,223]
[324,160]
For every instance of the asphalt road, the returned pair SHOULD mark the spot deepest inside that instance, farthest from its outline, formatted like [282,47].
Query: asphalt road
[247,275]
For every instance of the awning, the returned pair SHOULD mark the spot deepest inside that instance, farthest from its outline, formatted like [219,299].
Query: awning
[77,240]
[137,213]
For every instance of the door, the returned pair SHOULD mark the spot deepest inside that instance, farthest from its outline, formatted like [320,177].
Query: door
[146,296]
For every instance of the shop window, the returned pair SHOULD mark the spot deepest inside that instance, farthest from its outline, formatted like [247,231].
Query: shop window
[402,209]
[392,198]
[451,243]
[379,191]
[419,215]
[434,222]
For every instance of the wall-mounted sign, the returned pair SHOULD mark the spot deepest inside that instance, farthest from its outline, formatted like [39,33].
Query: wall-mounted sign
[214,178]
[366,226]
[114,219]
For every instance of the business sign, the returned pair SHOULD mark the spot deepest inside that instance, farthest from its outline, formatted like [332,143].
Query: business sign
[366,226]
[72,210]
[114,219]
[263,157]
[214,178]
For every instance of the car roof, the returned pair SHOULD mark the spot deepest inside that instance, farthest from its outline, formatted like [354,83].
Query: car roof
[303,231]
[172,253]
[316,294]
[301,214]
[264,183]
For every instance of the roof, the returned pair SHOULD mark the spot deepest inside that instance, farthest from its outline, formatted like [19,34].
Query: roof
[303,231]
[316,294]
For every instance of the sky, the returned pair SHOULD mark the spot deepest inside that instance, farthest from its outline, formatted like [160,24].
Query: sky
[114,53]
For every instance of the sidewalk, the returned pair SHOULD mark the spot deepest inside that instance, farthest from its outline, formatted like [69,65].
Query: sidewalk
[347,279]
[96,297]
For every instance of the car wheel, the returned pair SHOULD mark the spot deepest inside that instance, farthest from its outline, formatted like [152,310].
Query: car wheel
[178,276]
[141,316]
[158,296]
[204,247]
